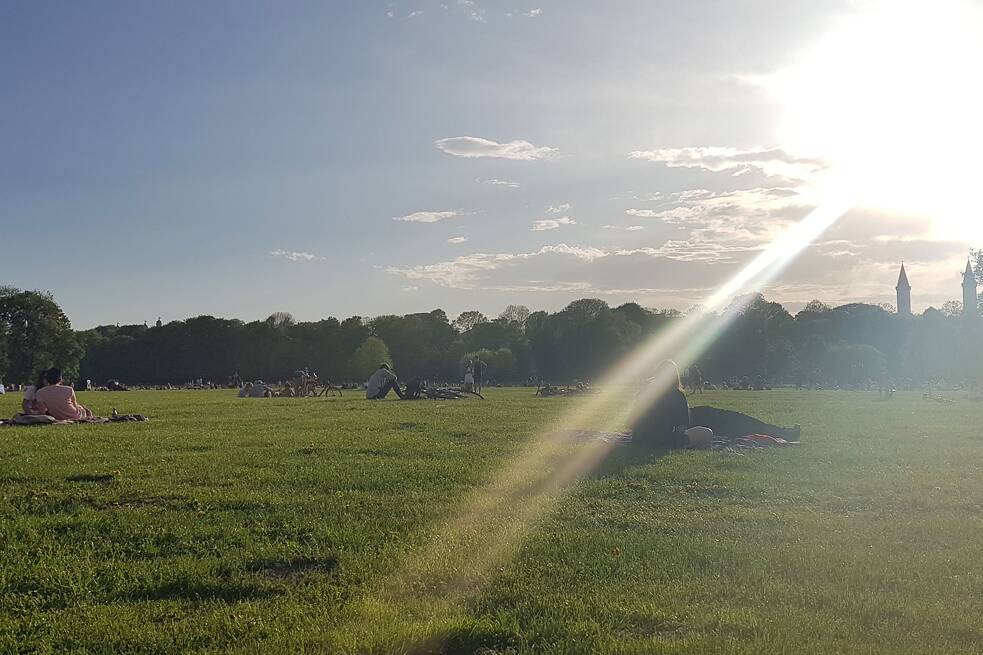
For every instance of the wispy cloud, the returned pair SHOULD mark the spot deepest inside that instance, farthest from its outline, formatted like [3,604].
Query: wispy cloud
[626,228]
[295,256]
[456,240]
[532,13]
[736,161]
[723,223]
[558,209]
[473,146]
[552,223]
[497,182]
[428,216]
[467,270]
[471,9]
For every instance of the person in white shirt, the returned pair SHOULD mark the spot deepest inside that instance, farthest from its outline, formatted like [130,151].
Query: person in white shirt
[30,403]
[3,389]
[381,382]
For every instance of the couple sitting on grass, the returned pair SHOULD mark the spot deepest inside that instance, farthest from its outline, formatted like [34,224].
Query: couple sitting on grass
[665,419]
[50,397]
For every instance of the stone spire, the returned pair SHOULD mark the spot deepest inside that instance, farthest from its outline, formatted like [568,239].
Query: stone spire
[904,294]
[969,292]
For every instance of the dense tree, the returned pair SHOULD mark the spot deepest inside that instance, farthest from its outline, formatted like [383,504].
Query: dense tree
[517,314]
[467,320]
[845,345]
[36,334]
[367,358]
[952,308]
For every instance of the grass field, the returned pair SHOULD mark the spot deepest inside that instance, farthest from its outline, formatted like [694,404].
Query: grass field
[270,525]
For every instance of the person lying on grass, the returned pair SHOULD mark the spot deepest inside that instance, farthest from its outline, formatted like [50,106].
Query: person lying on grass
[381,382]
[59,401]
[666,421]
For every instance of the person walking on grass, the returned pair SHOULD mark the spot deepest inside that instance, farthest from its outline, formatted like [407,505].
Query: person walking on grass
[381,383]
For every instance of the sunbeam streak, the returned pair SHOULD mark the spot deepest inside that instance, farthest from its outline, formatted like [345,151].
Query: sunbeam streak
[432,586]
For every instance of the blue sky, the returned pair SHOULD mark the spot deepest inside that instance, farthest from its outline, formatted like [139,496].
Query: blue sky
[239,158]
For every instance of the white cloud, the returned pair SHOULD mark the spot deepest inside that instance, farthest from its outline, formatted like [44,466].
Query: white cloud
[428,217]
[722,224]
[294,256]
[552,223]
[466,271]
[414,14]
[457,240]
[473,146]
[497,182]
[626,228]
[558,209]
[470,8]
[770,161]
[533,13]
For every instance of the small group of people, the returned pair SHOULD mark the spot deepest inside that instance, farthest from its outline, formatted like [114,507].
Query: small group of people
[474,376]
[664,418]
[385,380]
[257,389]
[50,396]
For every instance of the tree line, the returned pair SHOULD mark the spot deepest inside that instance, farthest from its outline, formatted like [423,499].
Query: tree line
[846,345]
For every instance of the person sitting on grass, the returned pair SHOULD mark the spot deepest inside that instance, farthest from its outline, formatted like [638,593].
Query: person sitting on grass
[30,403]
[666,420]
[381,382]
[59,401]
[246,390]
[260,390]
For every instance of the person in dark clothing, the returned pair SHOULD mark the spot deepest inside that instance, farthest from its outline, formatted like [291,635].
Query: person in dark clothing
[665,416]
[666,421]
[728,423]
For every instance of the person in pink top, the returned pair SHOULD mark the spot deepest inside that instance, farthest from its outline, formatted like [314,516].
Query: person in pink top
[59,401]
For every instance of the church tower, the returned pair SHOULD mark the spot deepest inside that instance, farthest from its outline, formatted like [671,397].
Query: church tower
[970,309]
[904,294]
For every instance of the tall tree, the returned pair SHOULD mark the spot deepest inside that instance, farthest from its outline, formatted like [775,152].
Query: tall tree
[515,314]
[467,320]
[368,356]
[36,335]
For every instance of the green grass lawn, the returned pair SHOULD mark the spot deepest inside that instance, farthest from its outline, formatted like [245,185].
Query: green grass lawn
[270,525]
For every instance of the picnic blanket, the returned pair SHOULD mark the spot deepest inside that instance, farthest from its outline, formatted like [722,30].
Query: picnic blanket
[43,419]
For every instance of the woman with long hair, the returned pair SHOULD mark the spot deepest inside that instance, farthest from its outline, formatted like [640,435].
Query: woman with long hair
[664,418]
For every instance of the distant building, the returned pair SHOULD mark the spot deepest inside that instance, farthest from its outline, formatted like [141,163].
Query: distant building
[970,302]
[970,309]
[904,294]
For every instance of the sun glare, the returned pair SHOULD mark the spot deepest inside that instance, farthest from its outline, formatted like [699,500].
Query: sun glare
[892,98]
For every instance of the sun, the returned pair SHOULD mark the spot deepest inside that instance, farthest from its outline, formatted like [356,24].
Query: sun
[892,97]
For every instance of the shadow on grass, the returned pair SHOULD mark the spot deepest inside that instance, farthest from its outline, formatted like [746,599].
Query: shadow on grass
[294,569]
[104,478]
[625,456]
[222,589]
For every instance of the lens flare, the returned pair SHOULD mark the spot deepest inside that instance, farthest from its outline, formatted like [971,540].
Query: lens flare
[429,591]
[893,100]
